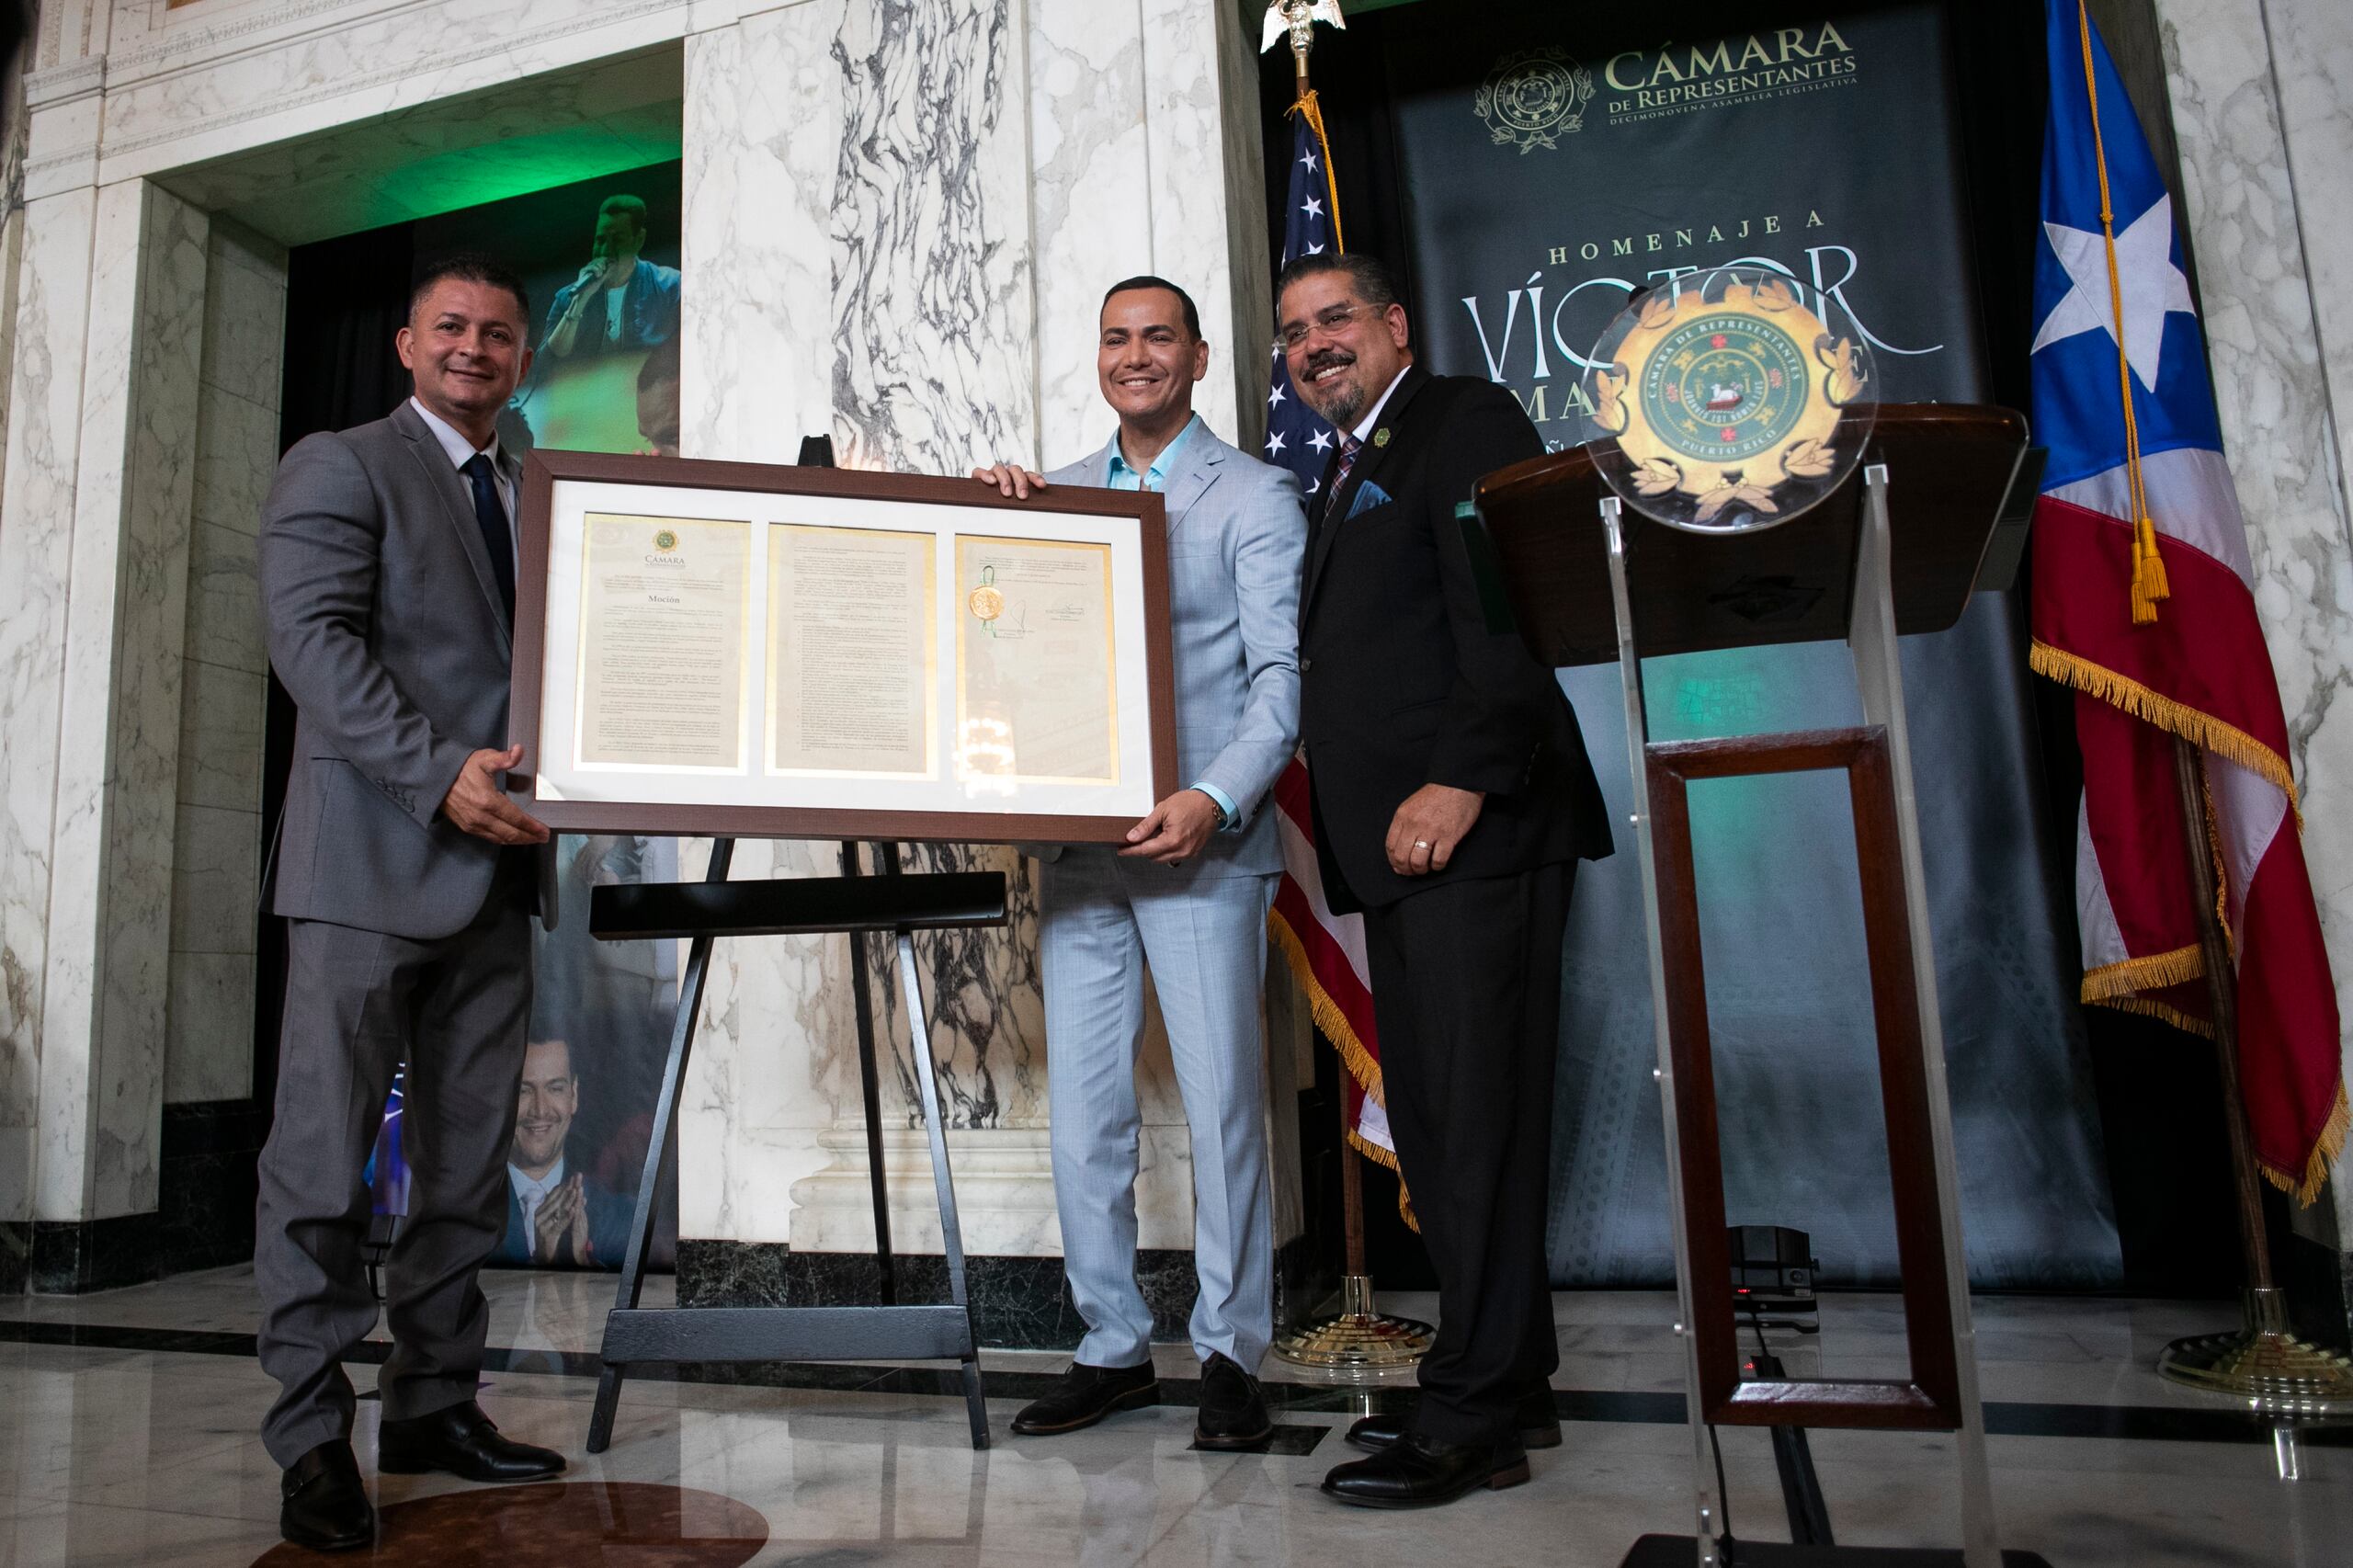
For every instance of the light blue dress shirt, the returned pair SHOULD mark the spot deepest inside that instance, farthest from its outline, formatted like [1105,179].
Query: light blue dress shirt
[1155,478]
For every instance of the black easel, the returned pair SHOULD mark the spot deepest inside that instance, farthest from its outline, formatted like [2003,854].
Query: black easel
[713,908]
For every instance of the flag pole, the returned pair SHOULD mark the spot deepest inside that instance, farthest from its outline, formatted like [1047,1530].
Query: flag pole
[1357,1342]
[2264,1362]
[2222,1003]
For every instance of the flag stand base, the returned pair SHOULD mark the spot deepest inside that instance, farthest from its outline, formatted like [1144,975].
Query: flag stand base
[2264,1364]
[1360,1342]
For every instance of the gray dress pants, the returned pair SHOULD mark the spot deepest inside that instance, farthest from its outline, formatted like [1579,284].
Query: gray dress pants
[358,1004]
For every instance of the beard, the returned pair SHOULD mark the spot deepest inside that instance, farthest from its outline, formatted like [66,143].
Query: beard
[1342,401]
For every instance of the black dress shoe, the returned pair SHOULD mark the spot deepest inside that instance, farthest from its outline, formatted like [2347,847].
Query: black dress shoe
[1086,1395]
[1233,1410]
[1416,1471]
[326,1505]
[1539,1424]
[461,1441]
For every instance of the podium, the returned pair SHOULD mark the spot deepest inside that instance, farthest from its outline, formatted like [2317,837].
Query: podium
[1937,510]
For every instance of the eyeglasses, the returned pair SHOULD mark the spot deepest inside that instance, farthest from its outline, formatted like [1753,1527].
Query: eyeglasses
[1331,321]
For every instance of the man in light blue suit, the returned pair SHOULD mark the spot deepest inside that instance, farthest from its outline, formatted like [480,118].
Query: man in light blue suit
[1188,895]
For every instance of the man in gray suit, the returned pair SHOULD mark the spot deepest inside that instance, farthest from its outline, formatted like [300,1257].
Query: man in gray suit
[408,880]
[1188,895]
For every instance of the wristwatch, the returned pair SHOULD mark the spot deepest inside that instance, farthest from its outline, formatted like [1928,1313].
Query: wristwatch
[1221,817]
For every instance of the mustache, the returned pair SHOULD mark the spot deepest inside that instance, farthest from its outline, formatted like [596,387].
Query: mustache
[1324,359]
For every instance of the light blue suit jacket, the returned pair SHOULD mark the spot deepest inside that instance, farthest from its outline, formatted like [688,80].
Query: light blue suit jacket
[1237,541]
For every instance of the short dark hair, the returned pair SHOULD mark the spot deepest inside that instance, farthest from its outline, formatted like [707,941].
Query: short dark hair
[1375,284]
[661,364]
[471,266]
[1146,280]
[630,207]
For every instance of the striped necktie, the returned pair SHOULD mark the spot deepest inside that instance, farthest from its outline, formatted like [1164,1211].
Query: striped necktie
[1349,447]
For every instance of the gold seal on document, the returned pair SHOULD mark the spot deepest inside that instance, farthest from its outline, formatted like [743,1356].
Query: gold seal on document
[985,603]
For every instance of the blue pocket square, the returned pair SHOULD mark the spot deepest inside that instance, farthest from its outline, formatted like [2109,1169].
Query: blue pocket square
[1368,494]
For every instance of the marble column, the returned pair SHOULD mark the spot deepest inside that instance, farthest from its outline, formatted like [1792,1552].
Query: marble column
[1144,142]
[92,583]
[856,227]
[208,1046]
[2267,150]
[900,219]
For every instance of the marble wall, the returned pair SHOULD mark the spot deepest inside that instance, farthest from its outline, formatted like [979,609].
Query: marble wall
[2256,91]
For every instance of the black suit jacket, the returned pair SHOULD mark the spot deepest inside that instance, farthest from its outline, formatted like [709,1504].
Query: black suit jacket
[1401,682]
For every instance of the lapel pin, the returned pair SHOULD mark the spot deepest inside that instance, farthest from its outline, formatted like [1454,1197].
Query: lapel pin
[1380,437]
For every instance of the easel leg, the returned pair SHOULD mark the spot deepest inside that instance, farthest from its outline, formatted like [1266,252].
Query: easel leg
[649,1182]
[952,1234]
[861,994]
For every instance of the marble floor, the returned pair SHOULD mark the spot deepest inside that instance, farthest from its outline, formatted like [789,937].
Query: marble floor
[127,1425]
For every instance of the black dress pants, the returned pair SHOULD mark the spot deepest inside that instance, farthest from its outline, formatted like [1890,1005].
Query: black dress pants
[1466,991]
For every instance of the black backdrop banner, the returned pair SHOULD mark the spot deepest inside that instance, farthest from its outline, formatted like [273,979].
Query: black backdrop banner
[1547,160]
[1567,177]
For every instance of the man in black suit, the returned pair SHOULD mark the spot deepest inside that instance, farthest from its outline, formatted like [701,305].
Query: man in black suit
[1452,801]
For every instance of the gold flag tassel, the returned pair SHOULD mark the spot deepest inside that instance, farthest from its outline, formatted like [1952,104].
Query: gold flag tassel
[1308,106]
[2149,584]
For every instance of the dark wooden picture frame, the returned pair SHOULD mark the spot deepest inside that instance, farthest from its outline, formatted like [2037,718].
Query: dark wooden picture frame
[545,467]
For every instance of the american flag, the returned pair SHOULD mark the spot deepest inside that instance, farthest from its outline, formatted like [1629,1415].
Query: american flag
[1325,950]
[1296,438]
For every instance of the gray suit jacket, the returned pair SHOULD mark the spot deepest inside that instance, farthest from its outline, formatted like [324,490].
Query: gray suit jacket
[1237,540]
[386,626]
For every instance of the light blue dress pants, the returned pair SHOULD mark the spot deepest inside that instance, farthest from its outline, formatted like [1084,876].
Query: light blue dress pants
[1102,920]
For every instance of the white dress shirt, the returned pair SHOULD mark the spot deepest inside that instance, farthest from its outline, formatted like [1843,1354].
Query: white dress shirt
[461,453]
[530,1194]
[1363,432]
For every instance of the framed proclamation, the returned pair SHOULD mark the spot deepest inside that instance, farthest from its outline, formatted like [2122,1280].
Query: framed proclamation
[810,652]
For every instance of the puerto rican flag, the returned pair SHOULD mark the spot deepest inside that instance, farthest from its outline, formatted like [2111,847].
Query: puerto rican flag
[1325,950]
[2122,400]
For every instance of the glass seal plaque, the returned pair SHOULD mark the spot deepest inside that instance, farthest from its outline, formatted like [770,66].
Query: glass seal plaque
[1728,401]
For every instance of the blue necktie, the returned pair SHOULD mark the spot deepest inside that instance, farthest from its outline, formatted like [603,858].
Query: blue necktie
[491,517]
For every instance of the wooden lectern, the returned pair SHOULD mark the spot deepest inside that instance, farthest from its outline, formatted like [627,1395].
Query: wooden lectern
[1587,582]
